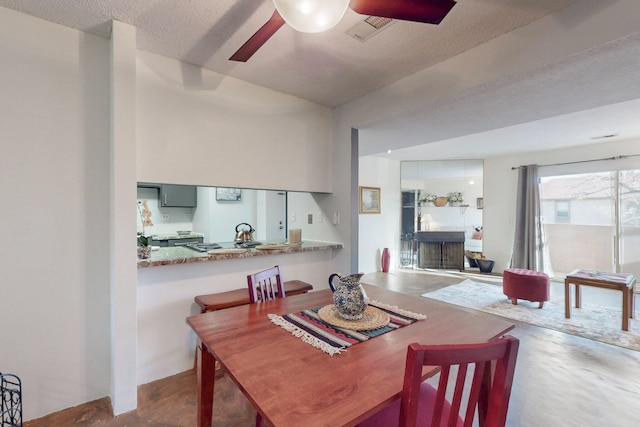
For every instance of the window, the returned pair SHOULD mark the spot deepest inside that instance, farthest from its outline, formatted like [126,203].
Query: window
[562,211]
[592,221]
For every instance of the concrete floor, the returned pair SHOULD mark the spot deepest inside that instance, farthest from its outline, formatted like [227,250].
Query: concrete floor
[560,380]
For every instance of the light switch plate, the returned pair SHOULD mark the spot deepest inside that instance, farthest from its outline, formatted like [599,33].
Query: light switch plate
[310,218]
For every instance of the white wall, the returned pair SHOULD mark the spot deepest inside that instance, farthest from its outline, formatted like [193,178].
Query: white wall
[54,175]
[379,231]
[199,127]
[322,229]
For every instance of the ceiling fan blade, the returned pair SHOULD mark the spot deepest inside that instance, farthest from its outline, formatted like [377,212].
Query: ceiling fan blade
[427,11]
[261,36]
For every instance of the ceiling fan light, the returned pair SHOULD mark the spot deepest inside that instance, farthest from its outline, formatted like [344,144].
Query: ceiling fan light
[311,16]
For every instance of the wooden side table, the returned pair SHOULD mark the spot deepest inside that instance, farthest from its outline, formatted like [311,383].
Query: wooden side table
[599,279]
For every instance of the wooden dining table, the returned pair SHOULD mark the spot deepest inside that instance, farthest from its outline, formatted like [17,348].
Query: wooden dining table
[292,383]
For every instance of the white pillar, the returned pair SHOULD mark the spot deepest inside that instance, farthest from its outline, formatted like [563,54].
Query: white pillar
[123,225]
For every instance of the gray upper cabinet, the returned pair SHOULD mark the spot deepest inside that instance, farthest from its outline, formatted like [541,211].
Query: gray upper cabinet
[180,196]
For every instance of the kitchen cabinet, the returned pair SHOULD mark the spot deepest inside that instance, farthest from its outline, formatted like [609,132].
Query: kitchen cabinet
[180,196]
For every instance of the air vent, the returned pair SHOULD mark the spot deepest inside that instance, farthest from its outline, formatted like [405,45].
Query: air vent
[377,22]
[368,28]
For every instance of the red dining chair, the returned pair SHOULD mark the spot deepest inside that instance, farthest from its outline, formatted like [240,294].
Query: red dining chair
[421,403]
[265,285]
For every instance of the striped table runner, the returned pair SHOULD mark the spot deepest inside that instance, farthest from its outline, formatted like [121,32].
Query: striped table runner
[308,326]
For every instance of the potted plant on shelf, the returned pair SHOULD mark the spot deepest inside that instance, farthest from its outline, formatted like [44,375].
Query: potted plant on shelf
[455,198]
[426,198]
[144,241]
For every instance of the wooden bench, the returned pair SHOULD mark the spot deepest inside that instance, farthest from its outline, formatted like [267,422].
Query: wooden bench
[219,301]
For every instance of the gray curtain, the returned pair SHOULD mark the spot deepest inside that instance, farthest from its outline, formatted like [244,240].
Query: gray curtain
[528,243]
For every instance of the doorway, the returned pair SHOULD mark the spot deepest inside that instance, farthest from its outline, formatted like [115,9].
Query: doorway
[274,205]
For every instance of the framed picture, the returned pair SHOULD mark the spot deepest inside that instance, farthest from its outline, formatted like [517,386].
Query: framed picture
[479,203]
[228,194]
[369,200]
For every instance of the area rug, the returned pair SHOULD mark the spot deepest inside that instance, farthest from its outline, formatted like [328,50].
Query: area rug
[591,321]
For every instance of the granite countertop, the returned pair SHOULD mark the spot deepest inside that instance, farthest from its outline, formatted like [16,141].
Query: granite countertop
[182,255]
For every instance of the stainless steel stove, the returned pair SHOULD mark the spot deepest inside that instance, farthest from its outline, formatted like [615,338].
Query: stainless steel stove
[202,247]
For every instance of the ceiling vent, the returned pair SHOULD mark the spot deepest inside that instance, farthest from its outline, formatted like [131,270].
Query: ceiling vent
[368,28]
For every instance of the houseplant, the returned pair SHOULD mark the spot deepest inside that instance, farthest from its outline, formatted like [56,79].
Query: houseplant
[455,198]
[426,198]
[144,241]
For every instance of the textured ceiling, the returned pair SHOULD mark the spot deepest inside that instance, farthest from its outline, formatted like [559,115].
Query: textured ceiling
[329,68]
[571,102]
[564,104]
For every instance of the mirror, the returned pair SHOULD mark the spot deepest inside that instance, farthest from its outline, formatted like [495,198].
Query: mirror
[441,196]
[214,211]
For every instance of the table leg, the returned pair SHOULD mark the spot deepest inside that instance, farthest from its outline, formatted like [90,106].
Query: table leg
[206,372]
[578,296]
[567,299]
[626,306]
[632,303]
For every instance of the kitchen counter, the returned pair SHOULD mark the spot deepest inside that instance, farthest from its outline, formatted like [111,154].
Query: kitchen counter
[182,255]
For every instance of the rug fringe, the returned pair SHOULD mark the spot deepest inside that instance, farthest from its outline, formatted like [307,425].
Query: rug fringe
[304,336]
[398,310]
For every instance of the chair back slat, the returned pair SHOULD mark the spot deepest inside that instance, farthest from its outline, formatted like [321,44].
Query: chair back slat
[474,393]
[440,396]
[501,388]
[265,285]
[457,394]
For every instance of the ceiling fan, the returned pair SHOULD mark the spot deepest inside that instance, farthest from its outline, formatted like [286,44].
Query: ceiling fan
[313,16]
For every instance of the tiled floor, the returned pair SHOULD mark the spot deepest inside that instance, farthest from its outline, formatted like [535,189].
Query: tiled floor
[561,380]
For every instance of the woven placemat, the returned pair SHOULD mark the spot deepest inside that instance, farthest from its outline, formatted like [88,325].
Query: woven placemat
[372,318]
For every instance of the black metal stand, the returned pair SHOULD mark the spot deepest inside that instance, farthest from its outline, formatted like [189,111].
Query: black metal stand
[10,400]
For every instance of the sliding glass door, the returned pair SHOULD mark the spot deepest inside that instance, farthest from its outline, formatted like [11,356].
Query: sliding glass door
[592,221]
[629,190]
